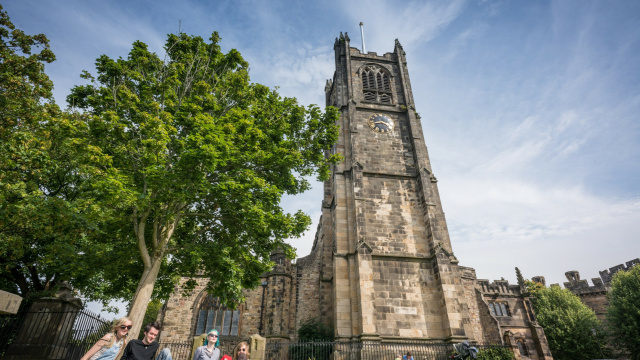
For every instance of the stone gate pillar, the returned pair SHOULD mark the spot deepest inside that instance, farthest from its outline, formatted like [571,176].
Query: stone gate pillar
[9,303]
[257,346]
[46,329]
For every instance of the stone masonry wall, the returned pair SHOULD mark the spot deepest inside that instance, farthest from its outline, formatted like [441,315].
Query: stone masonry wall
[393,217]
[308,288]
[179,314]
[386,153]
[490,326]
[597,302]
[279,295]
[469,285]
[399,310]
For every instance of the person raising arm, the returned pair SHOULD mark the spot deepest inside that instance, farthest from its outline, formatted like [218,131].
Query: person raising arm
[110,345]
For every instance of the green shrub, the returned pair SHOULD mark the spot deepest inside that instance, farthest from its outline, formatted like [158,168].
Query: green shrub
[496,353]
[315,330]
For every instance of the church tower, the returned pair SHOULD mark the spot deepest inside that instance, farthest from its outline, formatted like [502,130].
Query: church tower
[381,269]
[388,269]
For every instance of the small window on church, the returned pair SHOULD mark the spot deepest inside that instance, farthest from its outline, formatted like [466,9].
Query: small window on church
[213,315]
[376,85]
[503,308]
[499,309]
[523,348]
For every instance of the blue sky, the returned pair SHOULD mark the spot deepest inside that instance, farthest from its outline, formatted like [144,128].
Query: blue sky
[530,108]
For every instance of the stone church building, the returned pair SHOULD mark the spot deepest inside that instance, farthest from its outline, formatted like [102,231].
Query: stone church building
[382,267]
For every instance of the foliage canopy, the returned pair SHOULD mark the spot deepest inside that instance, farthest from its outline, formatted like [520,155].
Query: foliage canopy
[46,206]
[568,324]
[199,159]
[623,312]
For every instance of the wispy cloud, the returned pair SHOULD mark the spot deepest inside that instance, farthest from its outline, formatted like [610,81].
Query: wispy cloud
[415,22]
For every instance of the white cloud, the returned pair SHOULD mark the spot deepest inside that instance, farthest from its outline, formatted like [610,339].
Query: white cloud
[415,22]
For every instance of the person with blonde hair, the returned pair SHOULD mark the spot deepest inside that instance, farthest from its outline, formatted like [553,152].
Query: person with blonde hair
[241,348]
[110,345]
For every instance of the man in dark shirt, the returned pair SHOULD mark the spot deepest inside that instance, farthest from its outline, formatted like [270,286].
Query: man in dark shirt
[146,348]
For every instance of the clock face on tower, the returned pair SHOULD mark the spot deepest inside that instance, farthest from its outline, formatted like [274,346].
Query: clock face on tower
[381,123]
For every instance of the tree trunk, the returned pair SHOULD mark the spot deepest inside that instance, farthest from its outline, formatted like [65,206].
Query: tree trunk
[143,296]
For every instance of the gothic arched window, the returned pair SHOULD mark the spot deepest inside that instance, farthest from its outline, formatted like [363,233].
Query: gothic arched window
[213,315]
[376,84]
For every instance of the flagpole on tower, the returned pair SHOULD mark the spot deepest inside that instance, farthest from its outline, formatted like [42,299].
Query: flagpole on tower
[364,50]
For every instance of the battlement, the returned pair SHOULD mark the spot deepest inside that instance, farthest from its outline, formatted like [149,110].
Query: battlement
[607,275]
[498,287]
[602,284]
[372,54]
[578,286]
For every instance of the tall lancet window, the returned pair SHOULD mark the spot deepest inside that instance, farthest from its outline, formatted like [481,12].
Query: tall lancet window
[213,315]
[376,84]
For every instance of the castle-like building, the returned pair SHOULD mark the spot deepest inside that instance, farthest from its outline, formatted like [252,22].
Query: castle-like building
[382,267]
[594,296]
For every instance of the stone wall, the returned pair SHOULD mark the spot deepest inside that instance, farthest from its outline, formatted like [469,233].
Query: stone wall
[393,217]
[471,298]
[178,316]
[401,310]
[308,288]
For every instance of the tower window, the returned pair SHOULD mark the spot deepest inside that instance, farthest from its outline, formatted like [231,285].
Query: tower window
[376,85]
[213,315]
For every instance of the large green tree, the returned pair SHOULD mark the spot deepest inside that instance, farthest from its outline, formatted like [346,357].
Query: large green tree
[623,312]
[45,203]
[571,328]
[200,159]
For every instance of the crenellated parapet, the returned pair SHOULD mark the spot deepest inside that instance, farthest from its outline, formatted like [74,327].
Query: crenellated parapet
[389,56]
[607,275]
[581,286]
[498,287]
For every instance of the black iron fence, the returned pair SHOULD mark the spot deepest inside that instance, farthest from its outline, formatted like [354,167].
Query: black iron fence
[49,334]
[179,350]
[334,350]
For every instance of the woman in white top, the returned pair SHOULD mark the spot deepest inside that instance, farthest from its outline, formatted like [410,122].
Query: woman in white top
[110,345]
[210,350]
